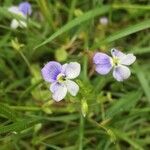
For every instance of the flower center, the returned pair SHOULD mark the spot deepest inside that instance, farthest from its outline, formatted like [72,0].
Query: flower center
[116,61]
[61,78]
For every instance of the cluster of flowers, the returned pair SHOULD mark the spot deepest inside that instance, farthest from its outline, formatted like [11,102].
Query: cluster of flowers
[60,76]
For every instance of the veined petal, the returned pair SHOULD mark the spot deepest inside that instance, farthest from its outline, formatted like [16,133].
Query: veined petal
[64,68]
[103,63]
[121,72]
[117,53]
[72,87]
[128,59]
[103,69]
[71,70]
[58,90]
[25,8]
[51,70]
[101,58]
[53,86]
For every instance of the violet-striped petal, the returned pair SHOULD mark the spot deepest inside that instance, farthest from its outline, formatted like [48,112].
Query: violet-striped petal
[101,58]
[103,69]
[25,8]
[72,87]
[121,72]
[71,70]
[51,70]
[103,63]
[58,90]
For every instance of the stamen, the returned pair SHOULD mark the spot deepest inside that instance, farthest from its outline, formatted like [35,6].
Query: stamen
[61,77]
[115,61]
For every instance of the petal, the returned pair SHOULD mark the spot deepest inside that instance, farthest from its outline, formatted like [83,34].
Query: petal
[72,87]
[51,70]
[14,24]
[25,8]
[64,68]
[117,53]
[103,69]
[71,70]
[128,59]
[59,91]
[14,9]
[22,24]
[121,73]
[103,63]
[53,86]
[101,58]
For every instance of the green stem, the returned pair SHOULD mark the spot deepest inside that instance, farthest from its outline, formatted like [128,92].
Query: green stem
[128,6]
[71,11]
[81,132]
[25,108]
[25,59]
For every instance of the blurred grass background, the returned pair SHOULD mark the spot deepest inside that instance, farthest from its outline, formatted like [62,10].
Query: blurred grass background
[117,115]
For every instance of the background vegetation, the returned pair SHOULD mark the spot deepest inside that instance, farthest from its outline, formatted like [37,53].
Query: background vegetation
[117,115]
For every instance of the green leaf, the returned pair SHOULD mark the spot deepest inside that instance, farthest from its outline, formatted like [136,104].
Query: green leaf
[124,104]
[141,50]
[126,31]
[18,126]
[142,78]
[7,112]
[126,138]
[77,21]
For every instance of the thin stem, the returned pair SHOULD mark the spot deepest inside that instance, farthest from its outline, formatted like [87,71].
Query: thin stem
[73,4]
[25,59]
[81,132]
[25,108]
[127,6]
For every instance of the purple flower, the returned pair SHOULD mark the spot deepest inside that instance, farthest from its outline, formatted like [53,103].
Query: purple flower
[60,78]
[25,8]
[22,10]
[118,62]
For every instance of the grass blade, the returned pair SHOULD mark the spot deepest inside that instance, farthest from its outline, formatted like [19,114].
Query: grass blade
[18,126]
[124,104]
[87,16]
[124,137]
[127,31]
[7,112]
[144,83]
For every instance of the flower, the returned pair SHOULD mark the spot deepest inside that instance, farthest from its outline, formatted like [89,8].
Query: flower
[60,78]
[23,10]
[103,20]
[119,62]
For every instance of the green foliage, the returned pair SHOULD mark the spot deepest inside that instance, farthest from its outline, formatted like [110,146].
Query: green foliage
[106,114]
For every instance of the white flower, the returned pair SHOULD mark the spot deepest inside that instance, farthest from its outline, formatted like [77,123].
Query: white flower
[22,11]
[60,78]
[119,62]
